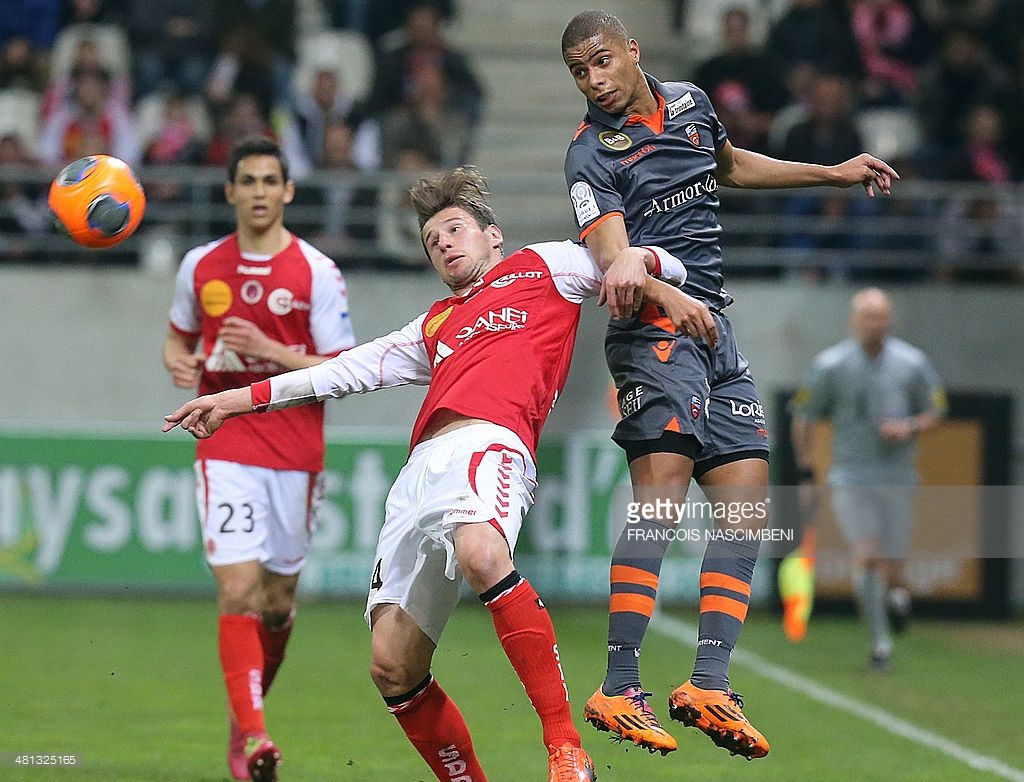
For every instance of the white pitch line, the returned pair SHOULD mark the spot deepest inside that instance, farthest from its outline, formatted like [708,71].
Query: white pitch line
[681,631]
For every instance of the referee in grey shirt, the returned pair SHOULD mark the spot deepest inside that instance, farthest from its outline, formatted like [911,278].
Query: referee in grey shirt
[879,392]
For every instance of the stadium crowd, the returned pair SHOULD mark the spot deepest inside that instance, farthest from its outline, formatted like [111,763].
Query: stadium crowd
[360,86]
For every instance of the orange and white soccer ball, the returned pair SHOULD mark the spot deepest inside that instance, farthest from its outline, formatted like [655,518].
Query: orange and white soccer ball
[97,200]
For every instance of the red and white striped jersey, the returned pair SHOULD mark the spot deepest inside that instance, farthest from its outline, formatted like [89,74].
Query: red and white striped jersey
[501,352]
[297,297]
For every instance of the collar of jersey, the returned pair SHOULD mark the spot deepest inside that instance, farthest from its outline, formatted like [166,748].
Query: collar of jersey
[655,122]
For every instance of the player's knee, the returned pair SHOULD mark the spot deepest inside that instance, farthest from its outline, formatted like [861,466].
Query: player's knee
[238,596]
[393,676]
[484,563]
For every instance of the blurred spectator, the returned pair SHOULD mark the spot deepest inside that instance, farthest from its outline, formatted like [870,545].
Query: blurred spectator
[986,156]
[379,20]
[179,141]
[975,14]
[399,237]
[741,83]
[256,51]
[431,85]
[980,238]
[813,32]
[21,66]
[23,208]
[88,56]
[960,75]
[893,43]
[172,44]
[828,136]
[94,12]
[88,122]
[36,20]
[349,232]
[240,117]
[328,102]
[427,114]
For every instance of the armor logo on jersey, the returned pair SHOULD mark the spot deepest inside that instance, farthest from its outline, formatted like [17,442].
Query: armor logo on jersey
[252,291]
[215,298]
[615,140]
[679,105]
[696,405]
[505,319]
[505,280]
[584,203]
[693,134]
[435,322]
[691,192]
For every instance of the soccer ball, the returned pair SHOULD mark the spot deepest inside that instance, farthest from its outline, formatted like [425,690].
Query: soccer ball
[97,200]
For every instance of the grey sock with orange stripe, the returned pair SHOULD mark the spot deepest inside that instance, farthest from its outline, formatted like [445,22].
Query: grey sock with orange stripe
[636,565]
[725,576]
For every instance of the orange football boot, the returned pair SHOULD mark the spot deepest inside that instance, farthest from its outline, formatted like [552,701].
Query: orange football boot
[630,718]
[720,715]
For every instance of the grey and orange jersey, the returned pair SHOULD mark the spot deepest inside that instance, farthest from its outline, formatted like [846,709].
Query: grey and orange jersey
[658,173]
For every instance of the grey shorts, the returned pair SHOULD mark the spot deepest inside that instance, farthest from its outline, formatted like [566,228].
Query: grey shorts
[669,382]
[882,513]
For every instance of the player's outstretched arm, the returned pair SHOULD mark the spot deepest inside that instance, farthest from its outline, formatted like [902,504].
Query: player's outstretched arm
[204,415]
[742,168]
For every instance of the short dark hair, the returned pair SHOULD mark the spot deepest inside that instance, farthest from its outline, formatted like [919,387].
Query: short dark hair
[463,187]
[252,146]
[591,24]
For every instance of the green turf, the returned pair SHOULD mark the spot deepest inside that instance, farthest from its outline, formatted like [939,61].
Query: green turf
[133,686]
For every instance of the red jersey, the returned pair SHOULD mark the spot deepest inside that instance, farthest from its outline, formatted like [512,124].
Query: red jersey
[500,353]
[297,297]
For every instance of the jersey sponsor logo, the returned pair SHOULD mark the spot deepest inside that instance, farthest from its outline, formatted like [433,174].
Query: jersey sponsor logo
[507,279]
[693,133]
[690,193]
[215,298]
[260,271]
[679,105]
[505,319]
[252,291]
[282,301]
[584,203]
[615,140]
[644,150]
[435,322]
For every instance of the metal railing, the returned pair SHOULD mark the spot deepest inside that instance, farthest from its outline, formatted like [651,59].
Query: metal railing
[927,228]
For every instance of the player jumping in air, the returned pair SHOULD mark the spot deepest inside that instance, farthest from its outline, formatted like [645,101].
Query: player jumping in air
[495,354]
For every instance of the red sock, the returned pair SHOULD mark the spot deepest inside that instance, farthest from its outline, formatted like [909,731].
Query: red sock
[528,637]
[436,728]
[274,641]
[241,660]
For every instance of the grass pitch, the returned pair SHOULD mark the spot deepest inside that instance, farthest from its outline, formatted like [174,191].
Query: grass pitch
[133,687]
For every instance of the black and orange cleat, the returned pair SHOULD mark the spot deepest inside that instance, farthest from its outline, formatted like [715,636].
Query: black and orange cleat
[719,714]
[630,718]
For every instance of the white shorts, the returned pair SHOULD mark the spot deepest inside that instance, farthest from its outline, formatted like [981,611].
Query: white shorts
[258,514]
[481,473]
